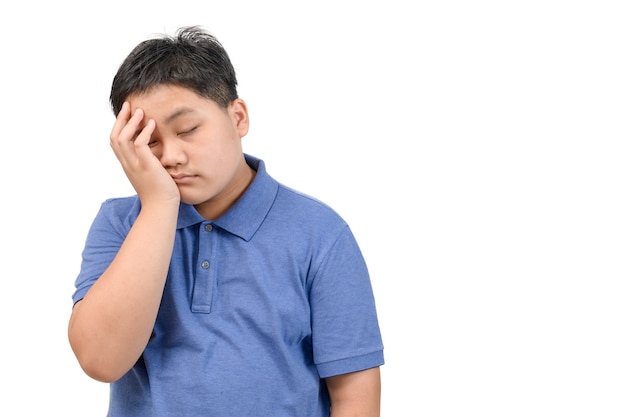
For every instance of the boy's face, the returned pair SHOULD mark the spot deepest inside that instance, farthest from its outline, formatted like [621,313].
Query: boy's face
[199,144]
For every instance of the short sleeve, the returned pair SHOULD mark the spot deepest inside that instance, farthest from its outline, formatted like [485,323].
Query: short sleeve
[345,330]
[104,238]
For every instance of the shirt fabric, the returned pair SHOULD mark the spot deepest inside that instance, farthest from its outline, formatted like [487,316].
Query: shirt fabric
[258,307]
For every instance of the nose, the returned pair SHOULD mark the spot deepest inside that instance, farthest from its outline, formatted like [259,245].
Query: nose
[172,153]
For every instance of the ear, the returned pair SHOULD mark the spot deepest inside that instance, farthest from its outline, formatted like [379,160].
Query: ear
[238,111]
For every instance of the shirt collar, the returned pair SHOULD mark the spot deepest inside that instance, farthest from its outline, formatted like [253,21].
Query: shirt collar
[245,217]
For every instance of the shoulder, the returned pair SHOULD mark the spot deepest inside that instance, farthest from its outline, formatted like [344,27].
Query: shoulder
[121,202]
[288,202]
[120,210]
[292,203]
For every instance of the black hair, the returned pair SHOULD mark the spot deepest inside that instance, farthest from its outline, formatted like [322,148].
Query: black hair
[192,58]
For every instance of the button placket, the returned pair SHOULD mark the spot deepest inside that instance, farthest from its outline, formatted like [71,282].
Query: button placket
[204,282]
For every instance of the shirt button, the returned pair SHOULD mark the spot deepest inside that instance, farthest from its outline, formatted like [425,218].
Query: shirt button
[208,227]
[205,264]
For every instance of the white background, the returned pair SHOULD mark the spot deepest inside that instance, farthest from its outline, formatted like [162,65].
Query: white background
[475,147]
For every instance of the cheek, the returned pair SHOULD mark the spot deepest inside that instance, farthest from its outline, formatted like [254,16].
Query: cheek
[156,151]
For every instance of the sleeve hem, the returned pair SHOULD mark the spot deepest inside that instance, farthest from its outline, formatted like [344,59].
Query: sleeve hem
[354,364]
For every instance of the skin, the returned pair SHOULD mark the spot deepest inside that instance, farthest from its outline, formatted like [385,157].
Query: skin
[173,146]
[356,394]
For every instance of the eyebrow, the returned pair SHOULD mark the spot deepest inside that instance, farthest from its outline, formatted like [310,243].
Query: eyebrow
[177,113]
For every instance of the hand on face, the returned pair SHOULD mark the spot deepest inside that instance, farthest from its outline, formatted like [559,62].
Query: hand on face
[144,170]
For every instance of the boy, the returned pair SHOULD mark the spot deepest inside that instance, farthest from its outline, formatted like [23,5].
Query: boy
[215,290]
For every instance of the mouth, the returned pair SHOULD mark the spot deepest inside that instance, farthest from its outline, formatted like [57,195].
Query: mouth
[183,178]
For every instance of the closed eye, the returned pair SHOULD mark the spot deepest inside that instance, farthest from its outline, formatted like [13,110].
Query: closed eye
[187,132]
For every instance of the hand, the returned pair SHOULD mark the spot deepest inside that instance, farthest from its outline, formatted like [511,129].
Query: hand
[144,170]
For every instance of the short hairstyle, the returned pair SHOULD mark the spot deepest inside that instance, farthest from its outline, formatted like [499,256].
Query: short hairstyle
[192,58]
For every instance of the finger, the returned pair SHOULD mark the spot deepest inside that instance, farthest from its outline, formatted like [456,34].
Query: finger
[123,142]
[130,131]
[130,128]
[120,121]
[143,138]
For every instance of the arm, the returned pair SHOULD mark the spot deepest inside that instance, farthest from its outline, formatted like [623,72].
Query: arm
[355,394]
[110,327]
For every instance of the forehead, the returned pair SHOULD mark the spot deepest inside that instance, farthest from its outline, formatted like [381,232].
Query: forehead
[167,102]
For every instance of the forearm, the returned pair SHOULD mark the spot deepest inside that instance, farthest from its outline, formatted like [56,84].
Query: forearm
[111,326]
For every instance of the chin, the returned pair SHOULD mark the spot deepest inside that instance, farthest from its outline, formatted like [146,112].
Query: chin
[193,200]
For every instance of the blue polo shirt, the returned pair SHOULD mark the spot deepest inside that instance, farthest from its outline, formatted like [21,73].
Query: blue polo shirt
[259,306]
